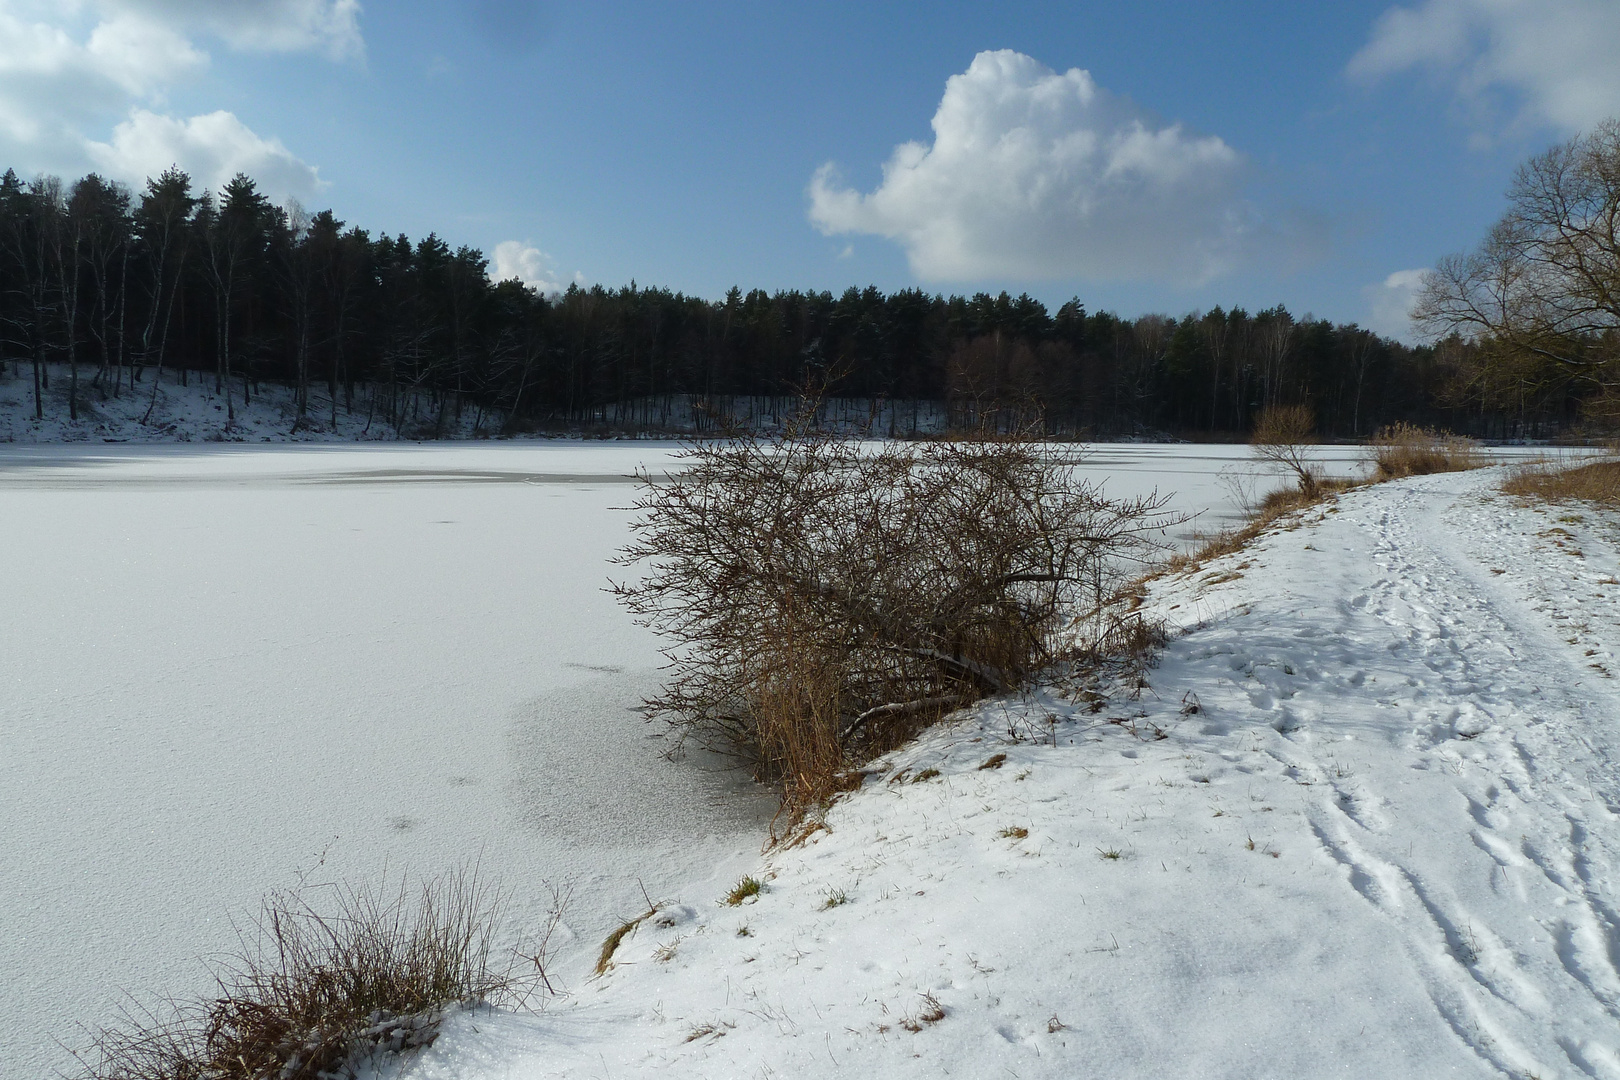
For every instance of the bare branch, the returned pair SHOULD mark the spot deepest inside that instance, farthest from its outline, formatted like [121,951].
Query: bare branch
[815,592]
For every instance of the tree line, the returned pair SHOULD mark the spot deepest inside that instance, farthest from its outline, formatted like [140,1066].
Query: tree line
[128,289]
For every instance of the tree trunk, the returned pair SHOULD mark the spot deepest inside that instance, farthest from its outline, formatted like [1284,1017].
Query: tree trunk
[163,341]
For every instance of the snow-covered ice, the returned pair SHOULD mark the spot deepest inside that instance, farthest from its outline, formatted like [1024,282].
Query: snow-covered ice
[218,664]
[1384,843]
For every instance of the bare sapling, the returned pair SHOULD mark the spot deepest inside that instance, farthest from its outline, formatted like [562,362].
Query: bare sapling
[1283,436]
[824,599]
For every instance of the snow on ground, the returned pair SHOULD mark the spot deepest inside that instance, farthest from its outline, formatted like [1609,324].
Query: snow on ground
[194,412]
[1362,821]
[218,662]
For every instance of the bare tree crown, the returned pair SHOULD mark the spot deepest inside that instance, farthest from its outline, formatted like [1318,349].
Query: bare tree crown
[1545,283]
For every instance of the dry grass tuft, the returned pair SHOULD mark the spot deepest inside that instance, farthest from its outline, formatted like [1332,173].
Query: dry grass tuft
[1597,482]
[715,1030]
[832,898]
[312,991]
[1272,508]
[1284,500]
[604,959]
[747,887]
[932,1012]
[1408,450]
[805,831]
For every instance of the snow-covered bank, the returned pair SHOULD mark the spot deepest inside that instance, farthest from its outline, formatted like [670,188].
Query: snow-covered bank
[193,412]
[1362,822]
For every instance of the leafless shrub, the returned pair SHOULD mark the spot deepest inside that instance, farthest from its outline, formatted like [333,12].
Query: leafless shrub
[1282,436]
[313,991]
[824,599]
[1408,450]
[1598,482]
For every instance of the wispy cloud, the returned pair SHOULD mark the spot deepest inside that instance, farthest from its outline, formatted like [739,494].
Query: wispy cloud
[331,27]
[1554,62]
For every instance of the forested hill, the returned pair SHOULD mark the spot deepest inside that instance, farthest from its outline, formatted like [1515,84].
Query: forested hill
[132,288]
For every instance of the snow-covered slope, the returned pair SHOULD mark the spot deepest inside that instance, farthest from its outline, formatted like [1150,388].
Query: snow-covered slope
[193,412]
[1362,822]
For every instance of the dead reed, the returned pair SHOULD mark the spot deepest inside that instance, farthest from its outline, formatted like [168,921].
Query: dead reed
[314,990]
[1598,482]
[1408,450]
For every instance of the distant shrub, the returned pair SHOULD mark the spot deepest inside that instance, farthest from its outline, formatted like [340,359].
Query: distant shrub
[310,993]
[1407,450]
[1283,436]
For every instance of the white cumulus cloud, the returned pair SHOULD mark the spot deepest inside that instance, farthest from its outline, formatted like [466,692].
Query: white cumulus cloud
[1560,59]
[1389,304]
[51,78]
[1035,174]
[139,55]
[527,263]
[211,148]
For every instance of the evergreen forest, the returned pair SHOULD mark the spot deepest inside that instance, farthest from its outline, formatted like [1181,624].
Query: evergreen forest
[172,283]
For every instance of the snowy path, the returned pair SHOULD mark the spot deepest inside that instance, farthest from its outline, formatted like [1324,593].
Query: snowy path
[1384,844]
[1500,734]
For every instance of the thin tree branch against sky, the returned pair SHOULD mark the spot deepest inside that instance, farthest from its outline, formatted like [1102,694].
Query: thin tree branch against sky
[1149,157]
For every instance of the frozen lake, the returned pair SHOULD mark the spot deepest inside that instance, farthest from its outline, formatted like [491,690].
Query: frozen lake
[220,665]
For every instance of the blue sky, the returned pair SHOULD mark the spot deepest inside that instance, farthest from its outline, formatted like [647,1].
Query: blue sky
[1144,157]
